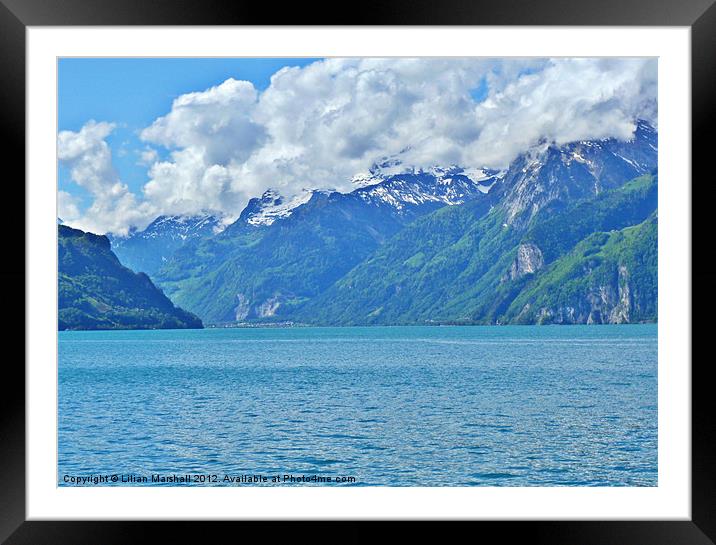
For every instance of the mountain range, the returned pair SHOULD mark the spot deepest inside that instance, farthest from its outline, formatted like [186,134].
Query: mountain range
[147,250]
[566,234]
[263,270]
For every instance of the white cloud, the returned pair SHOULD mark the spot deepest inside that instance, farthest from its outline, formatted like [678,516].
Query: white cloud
[188,183]
[147,156]
[88,156]
[217,122]
[571,99]
[68,207]
[89,159]
[317,126]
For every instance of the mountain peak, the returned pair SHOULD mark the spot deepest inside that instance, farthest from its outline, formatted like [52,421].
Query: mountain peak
[147,249]
[272,206]
[180,225]
[436,185]
[271,196]
[550,172]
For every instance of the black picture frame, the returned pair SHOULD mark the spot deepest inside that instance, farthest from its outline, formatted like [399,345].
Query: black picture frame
[699,15]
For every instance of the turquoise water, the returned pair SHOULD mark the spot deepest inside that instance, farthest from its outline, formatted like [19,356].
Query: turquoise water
[386,406]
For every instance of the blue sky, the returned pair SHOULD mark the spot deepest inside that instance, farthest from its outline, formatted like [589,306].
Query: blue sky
[134,92]
[138,138]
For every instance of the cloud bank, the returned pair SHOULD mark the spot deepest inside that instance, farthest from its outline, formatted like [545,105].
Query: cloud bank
[89,159]
[319,125]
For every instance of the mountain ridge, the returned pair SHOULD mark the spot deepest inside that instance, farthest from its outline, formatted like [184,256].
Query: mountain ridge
[147,249]
[474,275]
[95,291]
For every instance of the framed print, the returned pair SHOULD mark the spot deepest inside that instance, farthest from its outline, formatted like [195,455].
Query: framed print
[413,266]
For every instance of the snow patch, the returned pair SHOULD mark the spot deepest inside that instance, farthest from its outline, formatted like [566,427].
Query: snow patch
[274,207]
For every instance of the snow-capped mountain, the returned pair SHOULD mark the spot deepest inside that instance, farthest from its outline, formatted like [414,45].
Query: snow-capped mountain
[381,186]
[386,170]
[449,186]
[281,250]
[549,172]
[271,206]
[146,250]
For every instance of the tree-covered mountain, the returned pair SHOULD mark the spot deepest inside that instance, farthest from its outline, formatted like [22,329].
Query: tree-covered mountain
[608,277]
[590,261]
[97,292]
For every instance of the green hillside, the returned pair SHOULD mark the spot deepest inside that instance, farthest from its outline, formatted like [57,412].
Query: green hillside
[97,292]
[468,264]
[606,278]
[264,273]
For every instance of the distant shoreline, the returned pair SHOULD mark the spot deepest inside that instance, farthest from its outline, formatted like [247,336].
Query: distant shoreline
[445,324]
[312,326]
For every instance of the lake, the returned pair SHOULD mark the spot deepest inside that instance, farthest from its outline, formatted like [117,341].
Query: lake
[372,406]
